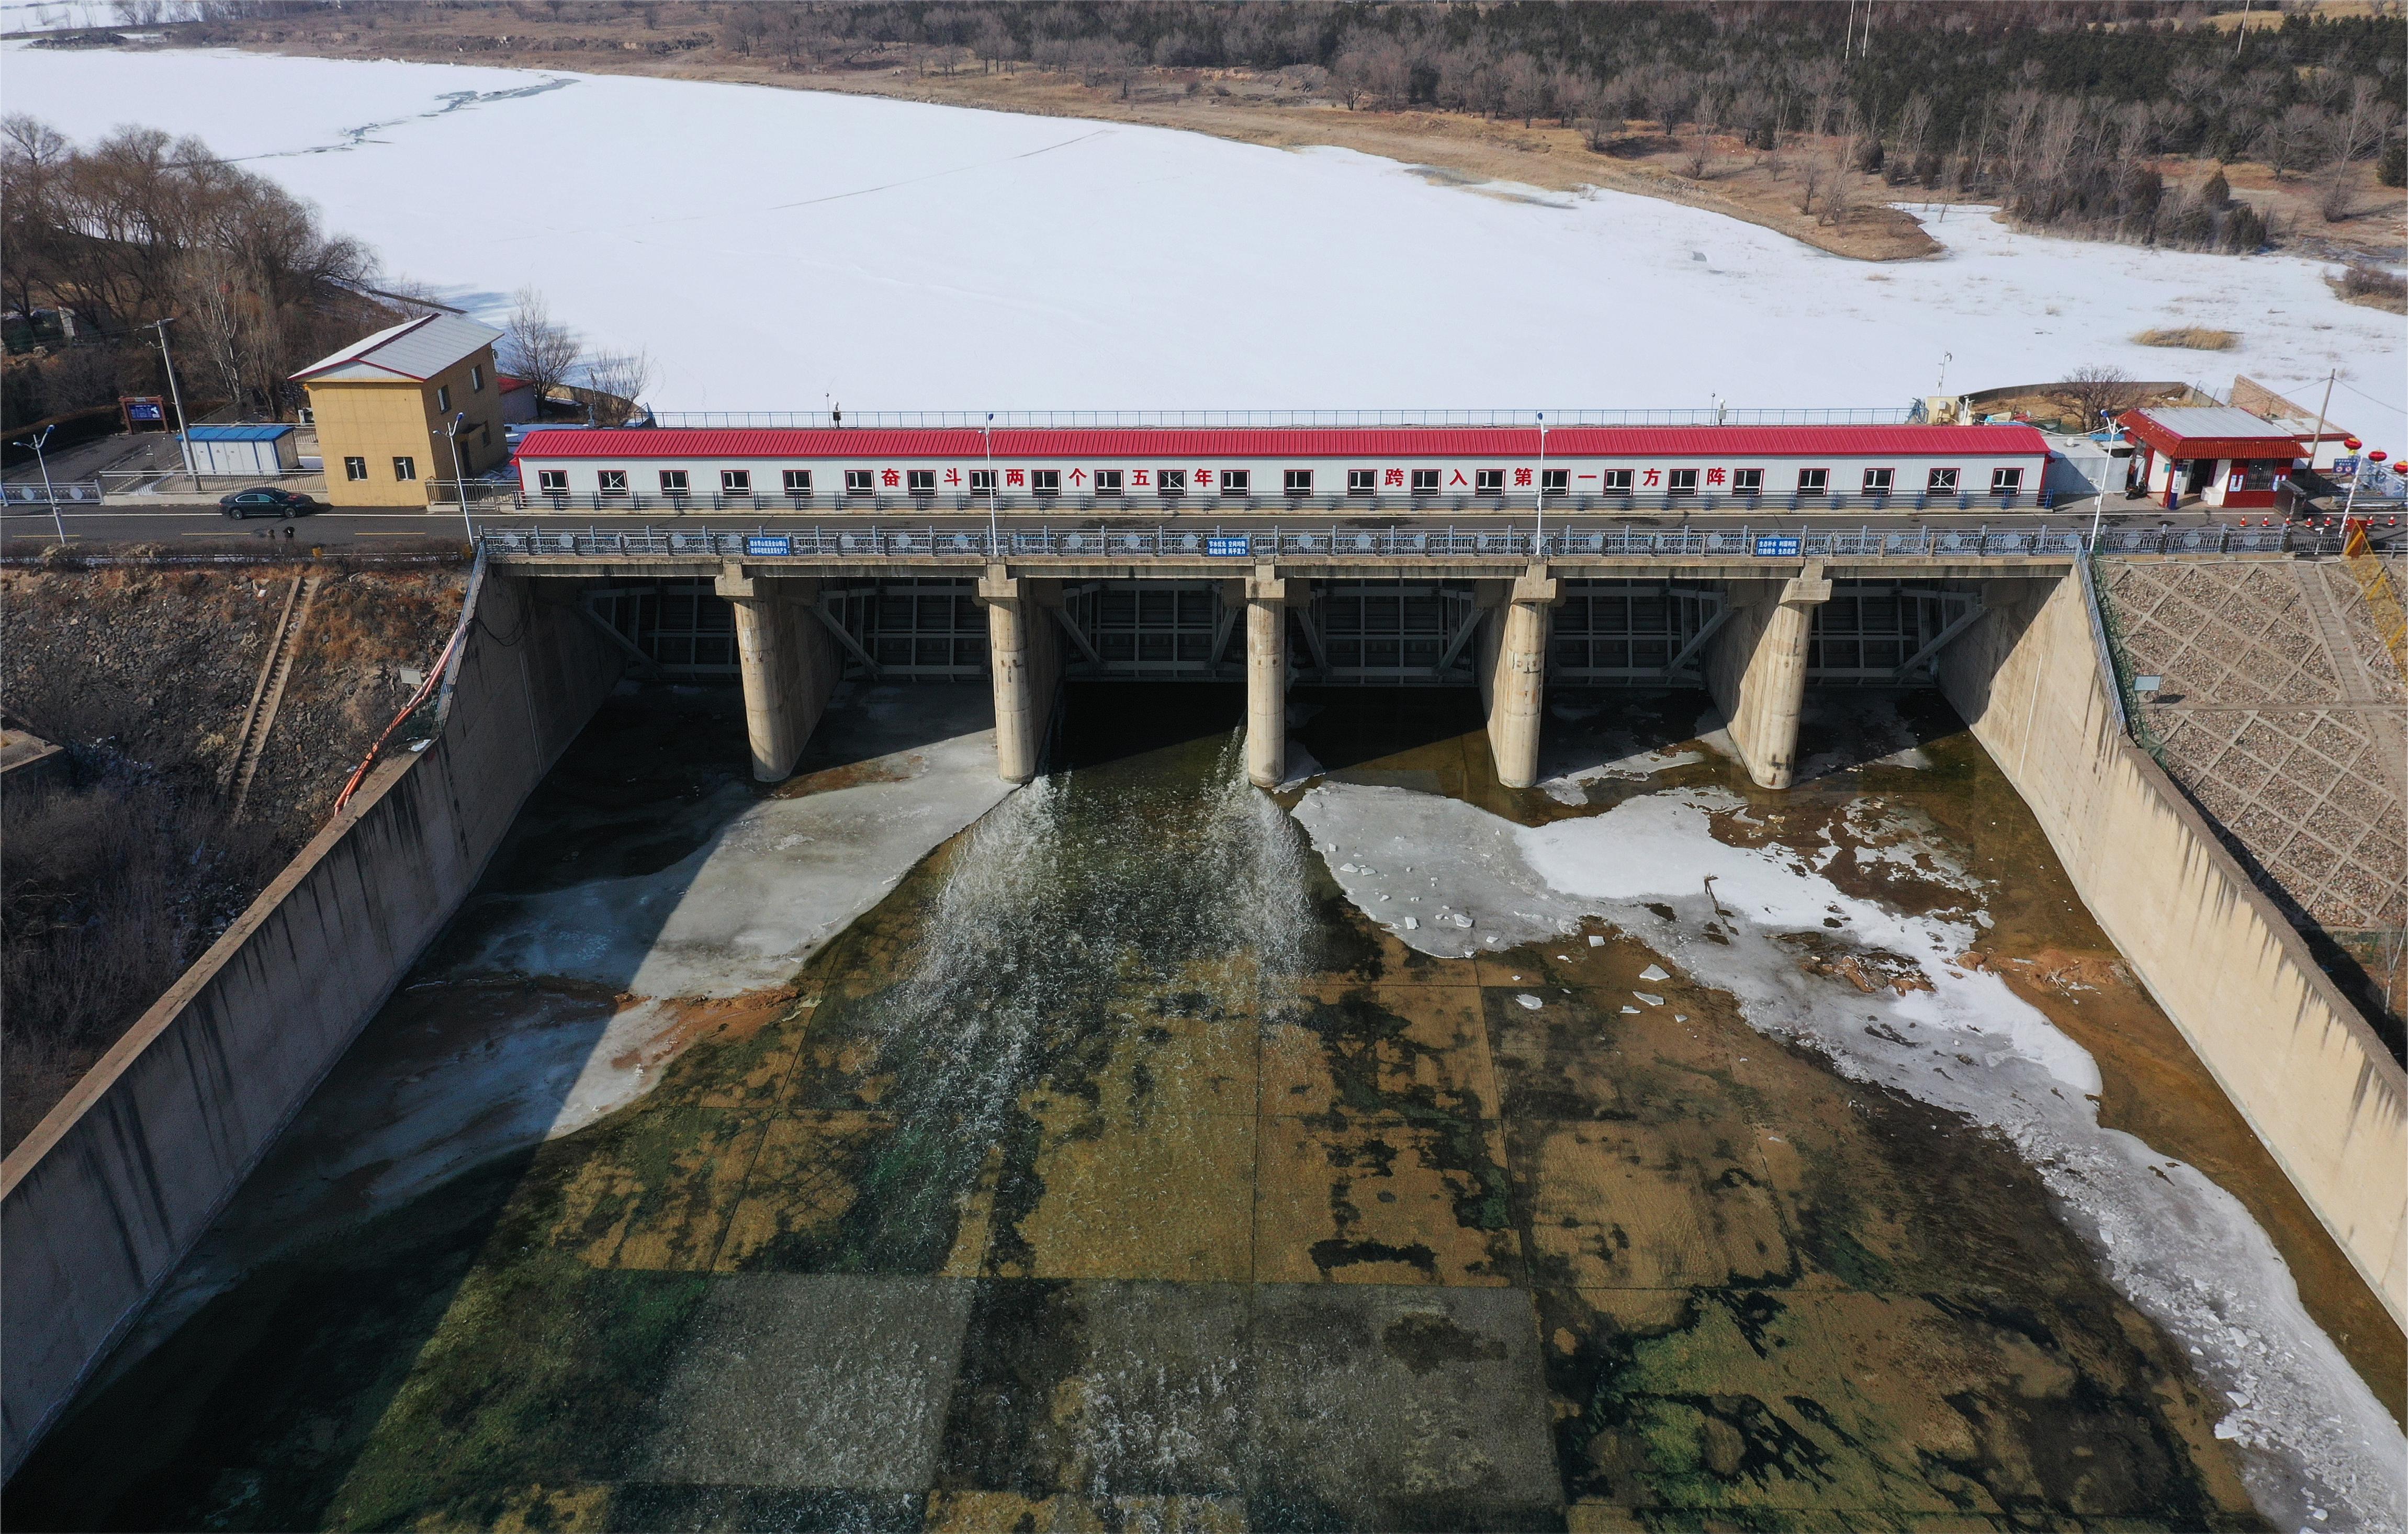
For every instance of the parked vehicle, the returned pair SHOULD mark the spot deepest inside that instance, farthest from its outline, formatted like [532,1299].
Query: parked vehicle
[269,501]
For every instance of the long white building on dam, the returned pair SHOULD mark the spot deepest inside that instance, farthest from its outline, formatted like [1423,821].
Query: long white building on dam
[1398,469]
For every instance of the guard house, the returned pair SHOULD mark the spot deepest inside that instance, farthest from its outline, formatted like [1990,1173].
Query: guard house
[384,407]
[265,451]
[2218,454]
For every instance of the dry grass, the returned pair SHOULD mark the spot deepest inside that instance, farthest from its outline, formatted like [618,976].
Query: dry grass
[2191,339]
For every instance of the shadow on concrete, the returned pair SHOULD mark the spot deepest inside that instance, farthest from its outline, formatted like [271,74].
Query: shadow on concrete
[295,1323]
[1847,729]
[1099,722]
[866,720]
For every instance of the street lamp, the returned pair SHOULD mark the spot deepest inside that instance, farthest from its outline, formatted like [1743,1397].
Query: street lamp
[460,477]
[49,494]
[989,433]
[1539,539]
[183,427]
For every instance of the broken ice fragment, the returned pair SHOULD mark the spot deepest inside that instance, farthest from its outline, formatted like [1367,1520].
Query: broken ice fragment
[1347,868]
[1459,919]
[1527,999]
[1413,923]
[1630,1011]
[1596,941]
[1680,1017]
[1654,971]
[1651,1000]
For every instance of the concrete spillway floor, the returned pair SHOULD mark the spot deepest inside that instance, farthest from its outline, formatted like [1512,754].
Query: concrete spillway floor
[1115,1172]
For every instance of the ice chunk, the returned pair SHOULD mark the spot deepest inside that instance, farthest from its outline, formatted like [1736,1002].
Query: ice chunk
[1527,999]
[1651,1000]
[1654,971]
[1596,941]
[1413,923]
[1630,1011]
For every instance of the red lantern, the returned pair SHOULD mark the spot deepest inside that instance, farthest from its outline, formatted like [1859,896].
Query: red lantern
[2352,443]
[2378,455]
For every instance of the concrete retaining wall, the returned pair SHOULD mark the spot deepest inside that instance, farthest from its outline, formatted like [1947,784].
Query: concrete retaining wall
[2321,1092]
[110,1190]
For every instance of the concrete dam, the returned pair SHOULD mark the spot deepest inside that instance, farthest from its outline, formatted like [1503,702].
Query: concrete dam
[1213,1038]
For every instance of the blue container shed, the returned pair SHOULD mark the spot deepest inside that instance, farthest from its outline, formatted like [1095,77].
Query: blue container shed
[244,450]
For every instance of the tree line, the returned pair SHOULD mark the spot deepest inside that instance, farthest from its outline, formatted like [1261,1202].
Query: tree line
[141,226]
[2052,107]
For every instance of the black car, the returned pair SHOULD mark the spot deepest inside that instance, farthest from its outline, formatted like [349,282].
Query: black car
[267,501]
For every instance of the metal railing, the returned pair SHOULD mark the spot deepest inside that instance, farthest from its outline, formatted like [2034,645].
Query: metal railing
[61,493]
[174,480]
[1871,415]
[976,545]
[1021,502]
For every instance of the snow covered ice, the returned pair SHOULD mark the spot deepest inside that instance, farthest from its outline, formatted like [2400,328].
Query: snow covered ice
[2319,1450]
[772,247]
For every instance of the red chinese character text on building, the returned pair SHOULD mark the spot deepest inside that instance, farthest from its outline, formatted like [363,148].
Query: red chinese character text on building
[1521,476]
[890,477]
[1394,476]
[1654,476]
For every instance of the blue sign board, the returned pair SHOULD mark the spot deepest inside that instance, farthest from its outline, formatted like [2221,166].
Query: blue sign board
[145,408]
[1776,547]
[774,544]
[1233,548]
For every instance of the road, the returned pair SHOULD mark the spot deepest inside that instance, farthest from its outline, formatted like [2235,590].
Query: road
[26,530]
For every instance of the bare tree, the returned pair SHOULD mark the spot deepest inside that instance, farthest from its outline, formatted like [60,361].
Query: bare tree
[1812,181]
[615,383]
[2296,138]
[537,347]
[2100,390]
[1701,156]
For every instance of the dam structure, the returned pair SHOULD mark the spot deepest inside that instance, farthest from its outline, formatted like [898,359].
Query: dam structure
[1876,578]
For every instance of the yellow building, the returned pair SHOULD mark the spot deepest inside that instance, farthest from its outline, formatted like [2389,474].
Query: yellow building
[385,407]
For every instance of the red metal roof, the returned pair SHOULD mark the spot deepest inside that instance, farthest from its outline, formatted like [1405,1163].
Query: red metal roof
[2168,438]
[870,445]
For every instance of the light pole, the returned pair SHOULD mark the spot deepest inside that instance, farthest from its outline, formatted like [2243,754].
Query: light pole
[49,494]
[991,537]
[460,477]
[183,427]
[1538,538]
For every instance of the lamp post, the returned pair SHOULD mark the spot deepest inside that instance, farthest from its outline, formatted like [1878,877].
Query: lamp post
[49,494]
[183,427]
[991,539]
[460,477]
[1538,538]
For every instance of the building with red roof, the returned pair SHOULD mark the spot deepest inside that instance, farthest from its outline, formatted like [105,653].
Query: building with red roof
[2222,454]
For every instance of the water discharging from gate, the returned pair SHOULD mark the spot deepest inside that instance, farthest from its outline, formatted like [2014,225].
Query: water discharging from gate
[1091,906]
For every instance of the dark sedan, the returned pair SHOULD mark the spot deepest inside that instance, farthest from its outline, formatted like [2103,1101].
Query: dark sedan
[267,501]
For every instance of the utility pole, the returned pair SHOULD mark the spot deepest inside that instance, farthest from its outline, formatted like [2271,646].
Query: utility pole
[52,495]
[183,427]
[2317,441]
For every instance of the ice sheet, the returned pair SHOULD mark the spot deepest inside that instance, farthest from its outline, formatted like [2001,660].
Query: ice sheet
[773,247]
[2317,1448]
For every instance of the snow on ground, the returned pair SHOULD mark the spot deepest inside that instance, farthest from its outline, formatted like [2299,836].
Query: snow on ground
[771,247]
[2317,1448]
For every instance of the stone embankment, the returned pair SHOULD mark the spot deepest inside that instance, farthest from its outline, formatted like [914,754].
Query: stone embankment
[2286,720]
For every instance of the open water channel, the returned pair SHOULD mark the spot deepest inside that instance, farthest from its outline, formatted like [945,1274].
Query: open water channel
[1137,1161]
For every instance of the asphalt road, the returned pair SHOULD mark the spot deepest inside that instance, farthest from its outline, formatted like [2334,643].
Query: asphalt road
[25,530]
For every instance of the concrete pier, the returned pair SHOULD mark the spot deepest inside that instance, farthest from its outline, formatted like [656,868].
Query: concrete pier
[1024,652]
[1758,673]
[1515,675]
[1266,678]
[788,666]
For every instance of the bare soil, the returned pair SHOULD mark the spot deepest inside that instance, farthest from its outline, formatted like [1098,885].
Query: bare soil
[120,875]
